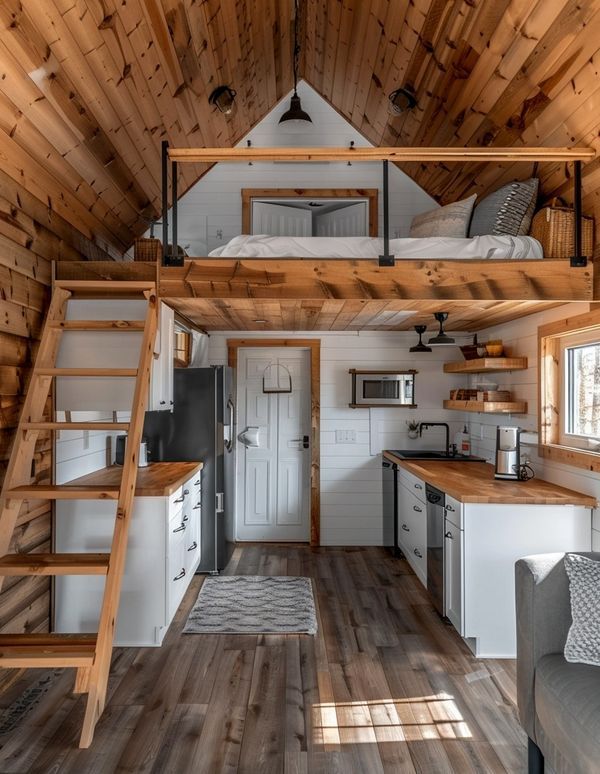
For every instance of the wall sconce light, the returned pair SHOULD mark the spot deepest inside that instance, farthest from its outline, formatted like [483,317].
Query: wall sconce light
[401,100]
[420,347]
[442,339]
[224,98]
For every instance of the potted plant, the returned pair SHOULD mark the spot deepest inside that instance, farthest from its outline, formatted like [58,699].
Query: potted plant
[413,428]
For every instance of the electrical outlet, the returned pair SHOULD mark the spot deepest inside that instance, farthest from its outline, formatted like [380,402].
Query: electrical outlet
[345,436]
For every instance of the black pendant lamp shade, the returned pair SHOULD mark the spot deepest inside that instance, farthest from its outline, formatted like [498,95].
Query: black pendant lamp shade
[420,347]
[401,100]
[295,112]
[442,339]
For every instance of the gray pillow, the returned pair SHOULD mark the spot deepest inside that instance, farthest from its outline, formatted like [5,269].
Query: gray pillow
[583,640]
[449,221]
[508,211]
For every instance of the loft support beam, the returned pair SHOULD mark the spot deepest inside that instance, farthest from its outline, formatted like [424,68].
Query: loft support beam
[577,259]
[165,201]
[386,259]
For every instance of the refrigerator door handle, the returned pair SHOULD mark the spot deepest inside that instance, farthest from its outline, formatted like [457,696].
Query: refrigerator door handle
[219,507]
[229,428]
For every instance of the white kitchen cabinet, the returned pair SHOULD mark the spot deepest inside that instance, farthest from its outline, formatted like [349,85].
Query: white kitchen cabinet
[163,553]
[161,380]
[595,540]
[412,529]
[453,575]
[105,349]
[486,541]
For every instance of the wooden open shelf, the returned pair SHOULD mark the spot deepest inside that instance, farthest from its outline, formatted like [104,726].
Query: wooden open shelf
[486,365]
[488,406]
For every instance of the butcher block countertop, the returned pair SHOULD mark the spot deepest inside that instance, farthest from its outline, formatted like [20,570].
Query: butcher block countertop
[474,482]
[159,479]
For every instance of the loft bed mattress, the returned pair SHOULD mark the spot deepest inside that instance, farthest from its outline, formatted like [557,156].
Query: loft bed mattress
[440,248]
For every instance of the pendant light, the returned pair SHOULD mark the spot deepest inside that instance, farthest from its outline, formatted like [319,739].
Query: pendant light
[442,339]
[420,347]
[401,100]
[223,97]
[295,113]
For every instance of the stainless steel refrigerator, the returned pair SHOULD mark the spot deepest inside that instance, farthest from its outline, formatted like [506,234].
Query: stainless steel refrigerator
[202,427]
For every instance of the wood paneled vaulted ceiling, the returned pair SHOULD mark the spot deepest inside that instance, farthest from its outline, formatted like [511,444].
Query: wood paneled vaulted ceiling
[89,88]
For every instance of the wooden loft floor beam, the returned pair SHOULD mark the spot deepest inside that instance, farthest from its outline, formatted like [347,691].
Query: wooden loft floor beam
[541,280]
[399,155]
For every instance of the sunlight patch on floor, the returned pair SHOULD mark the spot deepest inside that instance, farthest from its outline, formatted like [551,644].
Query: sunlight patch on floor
[389,720]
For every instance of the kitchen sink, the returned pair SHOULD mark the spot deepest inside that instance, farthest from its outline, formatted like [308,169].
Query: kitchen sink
[413,454]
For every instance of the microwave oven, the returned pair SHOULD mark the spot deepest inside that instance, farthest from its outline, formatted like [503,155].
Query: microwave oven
[383,388]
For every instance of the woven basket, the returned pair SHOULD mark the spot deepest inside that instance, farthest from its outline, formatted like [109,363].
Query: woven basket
[553,228]
[147,250]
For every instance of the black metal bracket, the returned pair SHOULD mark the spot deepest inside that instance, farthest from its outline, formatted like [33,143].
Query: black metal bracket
[170,252]
[386,259]
[577,259]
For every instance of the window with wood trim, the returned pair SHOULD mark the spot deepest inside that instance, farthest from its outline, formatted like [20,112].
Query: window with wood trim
[569,374]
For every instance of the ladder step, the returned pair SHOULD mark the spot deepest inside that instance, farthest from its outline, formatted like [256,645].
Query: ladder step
[121,286]
[98,325]
[86,372]
[62,492]
[20,651]
[76,426]
[54,564]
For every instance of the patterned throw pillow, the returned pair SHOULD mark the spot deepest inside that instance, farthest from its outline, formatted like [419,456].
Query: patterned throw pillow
[583,640]
[508,211]
[449,221]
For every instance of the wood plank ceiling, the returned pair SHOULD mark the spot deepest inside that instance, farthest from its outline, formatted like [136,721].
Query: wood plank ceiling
[88,88]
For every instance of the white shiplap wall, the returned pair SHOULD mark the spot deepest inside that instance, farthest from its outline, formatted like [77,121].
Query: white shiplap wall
[351,507]
[520,338]
[210,213]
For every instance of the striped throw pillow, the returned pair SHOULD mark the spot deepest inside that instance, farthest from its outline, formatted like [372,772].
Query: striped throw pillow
[506,212]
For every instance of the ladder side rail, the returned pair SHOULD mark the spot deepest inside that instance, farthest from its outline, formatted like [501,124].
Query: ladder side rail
[95,678]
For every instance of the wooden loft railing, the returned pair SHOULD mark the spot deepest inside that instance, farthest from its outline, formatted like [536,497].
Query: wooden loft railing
[400,155]
[354,154]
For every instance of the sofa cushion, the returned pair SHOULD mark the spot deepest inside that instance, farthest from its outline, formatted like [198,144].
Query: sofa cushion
[583,640]
[567,703]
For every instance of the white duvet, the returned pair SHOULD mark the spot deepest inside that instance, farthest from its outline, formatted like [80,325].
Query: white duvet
[477,248]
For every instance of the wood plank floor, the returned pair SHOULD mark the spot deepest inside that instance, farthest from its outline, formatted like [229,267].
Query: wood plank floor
[385,686]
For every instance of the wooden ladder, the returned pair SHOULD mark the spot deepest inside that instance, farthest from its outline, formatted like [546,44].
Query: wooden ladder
[89,654]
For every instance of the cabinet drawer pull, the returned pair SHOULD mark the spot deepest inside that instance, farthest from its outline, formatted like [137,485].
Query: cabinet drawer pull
[197,483]
[180,528]
[418,486]
[179,500]
[405,528]
[449,508]
[195,508]
[416,508]
[180,574]
[449,535]
[193,547]
[162,402]
[186,492]
[185,518]
[418,553]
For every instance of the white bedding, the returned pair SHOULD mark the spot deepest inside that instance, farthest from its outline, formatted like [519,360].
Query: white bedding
[447,248]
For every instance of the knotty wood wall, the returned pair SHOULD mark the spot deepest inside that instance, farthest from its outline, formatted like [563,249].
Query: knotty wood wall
[31,235]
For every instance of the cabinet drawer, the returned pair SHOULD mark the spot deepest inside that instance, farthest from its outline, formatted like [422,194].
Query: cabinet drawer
[412,514]
[178,575]
[175,501]
[412,483]
[415,552]
[454,511]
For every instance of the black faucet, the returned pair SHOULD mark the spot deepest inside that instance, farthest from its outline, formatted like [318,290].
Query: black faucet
[425,425]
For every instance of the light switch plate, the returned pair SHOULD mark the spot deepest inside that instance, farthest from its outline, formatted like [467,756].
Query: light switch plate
[345,436]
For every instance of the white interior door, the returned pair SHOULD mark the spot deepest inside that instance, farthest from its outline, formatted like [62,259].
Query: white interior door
[347,221]
[273,454]
[279,220]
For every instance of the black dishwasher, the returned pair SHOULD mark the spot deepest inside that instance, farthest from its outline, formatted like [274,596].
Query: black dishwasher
[389,475]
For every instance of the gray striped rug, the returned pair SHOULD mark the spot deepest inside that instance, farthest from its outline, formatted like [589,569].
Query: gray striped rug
[253,604]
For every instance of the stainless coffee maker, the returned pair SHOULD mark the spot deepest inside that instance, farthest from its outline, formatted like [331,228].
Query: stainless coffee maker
[508,454]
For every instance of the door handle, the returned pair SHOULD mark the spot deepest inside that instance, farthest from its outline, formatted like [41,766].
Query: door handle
[405,528]
[219,507]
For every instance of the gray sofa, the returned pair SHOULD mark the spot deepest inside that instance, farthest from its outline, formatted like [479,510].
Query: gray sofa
[559,702]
